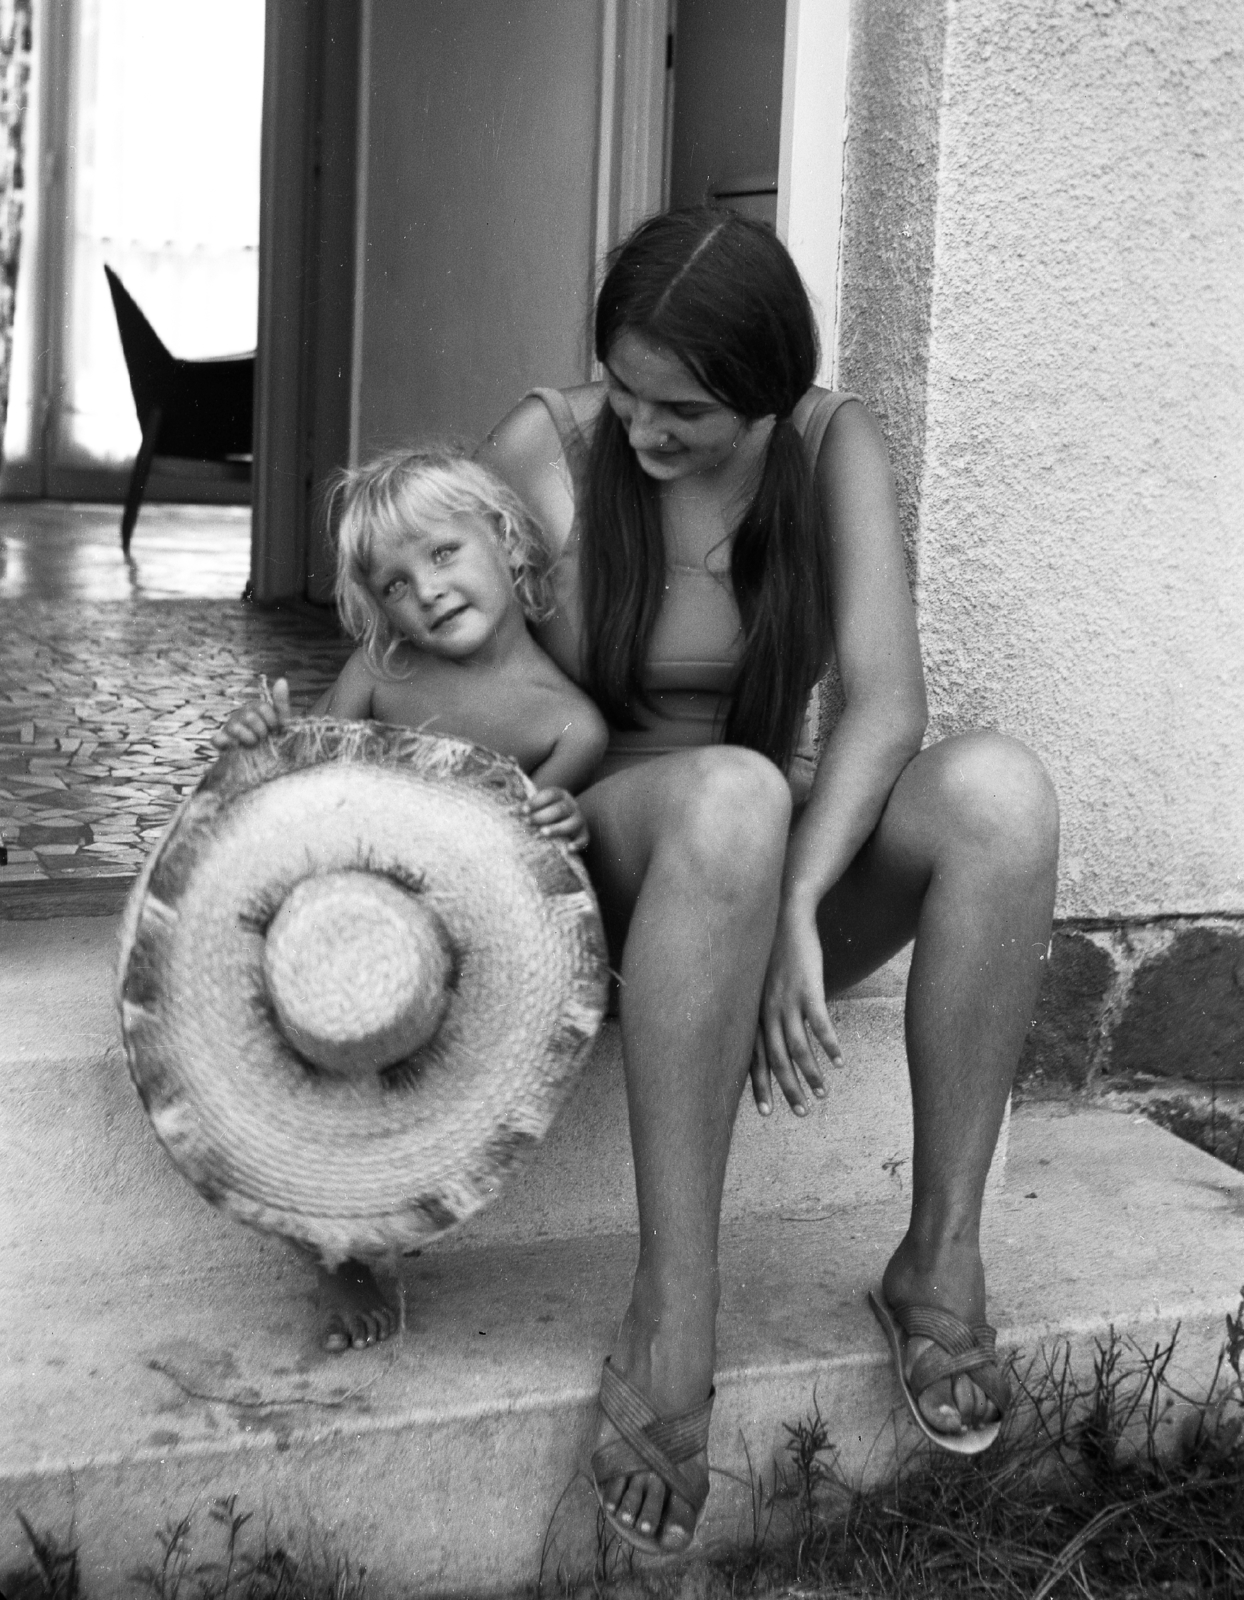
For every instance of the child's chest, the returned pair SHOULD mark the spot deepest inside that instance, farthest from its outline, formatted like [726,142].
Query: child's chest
[513,716]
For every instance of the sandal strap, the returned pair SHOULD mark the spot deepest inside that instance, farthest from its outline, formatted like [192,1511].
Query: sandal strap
[649,1443]
[959,1351]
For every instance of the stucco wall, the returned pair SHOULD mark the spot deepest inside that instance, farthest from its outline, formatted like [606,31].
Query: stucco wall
[889,220]
[1081,469]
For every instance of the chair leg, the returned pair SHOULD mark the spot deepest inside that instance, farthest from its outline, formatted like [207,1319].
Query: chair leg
[138,478]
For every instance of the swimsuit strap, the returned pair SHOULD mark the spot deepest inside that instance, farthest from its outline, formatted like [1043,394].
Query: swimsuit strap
[573,443]
[813,415]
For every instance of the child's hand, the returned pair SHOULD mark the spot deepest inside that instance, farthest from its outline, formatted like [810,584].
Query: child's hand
[252,723]
[557,816]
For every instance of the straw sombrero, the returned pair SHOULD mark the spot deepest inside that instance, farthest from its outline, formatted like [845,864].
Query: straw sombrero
[356,984]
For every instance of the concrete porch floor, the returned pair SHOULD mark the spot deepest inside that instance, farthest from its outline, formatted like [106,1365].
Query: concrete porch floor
[114,674]
[156,1356]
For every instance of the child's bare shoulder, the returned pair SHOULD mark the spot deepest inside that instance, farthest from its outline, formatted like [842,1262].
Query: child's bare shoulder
[351,696]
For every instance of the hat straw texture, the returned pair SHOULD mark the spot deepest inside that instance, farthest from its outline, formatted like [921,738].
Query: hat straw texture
[356,984]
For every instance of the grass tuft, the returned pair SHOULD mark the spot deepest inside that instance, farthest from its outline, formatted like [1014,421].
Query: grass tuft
[1113,1486]
[233,1567]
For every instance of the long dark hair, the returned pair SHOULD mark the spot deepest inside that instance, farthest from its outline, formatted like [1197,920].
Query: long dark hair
[722,294]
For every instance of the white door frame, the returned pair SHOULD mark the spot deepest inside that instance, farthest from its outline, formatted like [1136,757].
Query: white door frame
[634,114]
[810,162]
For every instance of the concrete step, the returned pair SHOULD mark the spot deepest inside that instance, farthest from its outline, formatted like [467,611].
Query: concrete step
[69,1119]
[158,1356]
[134,1395]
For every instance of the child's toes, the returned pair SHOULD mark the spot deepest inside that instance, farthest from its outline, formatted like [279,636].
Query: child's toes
[336,1335]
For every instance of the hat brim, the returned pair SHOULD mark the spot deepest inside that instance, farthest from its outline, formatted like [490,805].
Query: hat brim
[346,1167]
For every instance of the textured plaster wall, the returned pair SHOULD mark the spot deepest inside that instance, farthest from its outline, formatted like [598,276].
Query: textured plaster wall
[889,215]
[1076,336]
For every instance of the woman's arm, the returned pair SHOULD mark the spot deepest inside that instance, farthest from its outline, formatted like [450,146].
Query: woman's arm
[525,450]
[879,732]
[878,651]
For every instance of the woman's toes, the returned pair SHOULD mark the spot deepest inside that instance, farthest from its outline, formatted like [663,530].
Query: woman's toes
[938,1408]
[611,1492]
[649,1518]
[679,1527]
[632,1499]
[972,1403]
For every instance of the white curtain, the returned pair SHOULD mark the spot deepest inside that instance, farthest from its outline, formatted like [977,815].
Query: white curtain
[163,186]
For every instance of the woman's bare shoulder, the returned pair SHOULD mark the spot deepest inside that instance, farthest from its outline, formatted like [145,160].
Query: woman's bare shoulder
[585,401]
[528,436]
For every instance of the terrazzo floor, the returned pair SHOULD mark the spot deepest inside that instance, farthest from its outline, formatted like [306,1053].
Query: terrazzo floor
[114,673]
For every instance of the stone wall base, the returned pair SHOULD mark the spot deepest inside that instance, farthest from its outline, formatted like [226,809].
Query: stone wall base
[1126,1002]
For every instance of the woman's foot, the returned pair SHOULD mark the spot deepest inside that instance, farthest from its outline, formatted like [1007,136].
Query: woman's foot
[670,1362]
[951,1278]
[354,1311]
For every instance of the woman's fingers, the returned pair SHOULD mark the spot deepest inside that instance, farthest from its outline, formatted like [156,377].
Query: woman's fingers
[777,1047]
[789,1054]
[823,1032]
[762,1086]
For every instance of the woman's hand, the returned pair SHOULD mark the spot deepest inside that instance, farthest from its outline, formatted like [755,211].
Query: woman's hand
[555,813]
[251,724]
[792,1006]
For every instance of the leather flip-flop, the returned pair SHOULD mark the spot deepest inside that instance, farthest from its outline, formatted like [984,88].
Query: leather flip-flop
[958,1350]
[647,1443]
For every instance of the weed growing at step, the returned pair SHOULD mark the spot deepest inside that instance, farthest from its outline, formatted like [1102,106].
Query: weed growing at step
[1114,1486]
[232,1565]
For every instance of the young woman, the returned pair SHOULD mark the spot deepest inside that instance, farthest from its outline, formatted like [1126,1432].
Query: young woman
[728,535]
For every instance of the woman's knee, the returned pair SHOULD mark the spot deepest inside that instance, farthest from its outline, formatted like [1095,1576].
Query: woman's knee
[730,816]
[997,797]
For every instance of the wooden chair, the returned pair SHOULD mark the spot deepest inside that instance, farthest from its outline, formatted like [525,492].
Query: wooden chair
[198,410]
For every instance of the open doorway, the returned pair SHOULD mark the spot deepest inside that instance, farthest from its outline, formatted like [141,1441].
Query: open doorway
[725,137]
[144,129]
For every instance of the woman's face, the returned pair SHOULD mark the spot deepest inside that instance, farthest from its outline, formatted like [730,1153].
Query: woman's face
[675,427]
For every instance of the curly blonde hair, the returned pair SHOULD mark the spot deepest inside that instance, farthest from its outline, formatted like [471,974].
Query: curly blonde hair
[398,491]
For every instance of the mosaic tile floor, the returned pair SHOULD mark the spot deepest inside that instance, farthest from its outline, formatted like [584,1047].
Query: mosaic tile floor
[115,674]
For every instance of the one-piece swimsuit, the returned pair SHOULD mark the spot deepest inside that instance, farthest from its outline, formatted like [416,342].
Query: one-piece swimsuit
[698,636]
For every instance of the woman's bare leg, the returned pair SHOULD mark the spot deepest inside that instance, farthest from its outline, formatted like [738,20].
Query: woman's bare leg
[964,858]
[686,855]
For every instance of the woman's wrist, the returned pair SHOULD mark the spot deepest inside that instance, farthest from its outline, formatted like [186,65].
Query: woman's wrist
[799,901]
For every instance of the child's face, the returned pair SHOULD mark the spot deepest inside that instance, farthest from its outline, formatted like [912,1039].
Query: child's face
[445,586]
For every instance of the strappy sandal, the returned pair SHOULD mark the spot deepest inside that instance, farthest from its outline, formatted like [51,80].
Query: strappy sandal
[957,1350]
[647,1443]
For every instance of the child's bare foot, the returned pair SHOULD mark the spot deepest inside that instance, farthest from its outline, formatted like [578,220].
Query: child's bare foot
[354,1311]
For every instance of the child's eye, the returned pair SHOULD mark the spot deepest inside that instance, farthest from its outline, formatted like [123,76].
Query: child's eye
[443,552]
[394,588]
